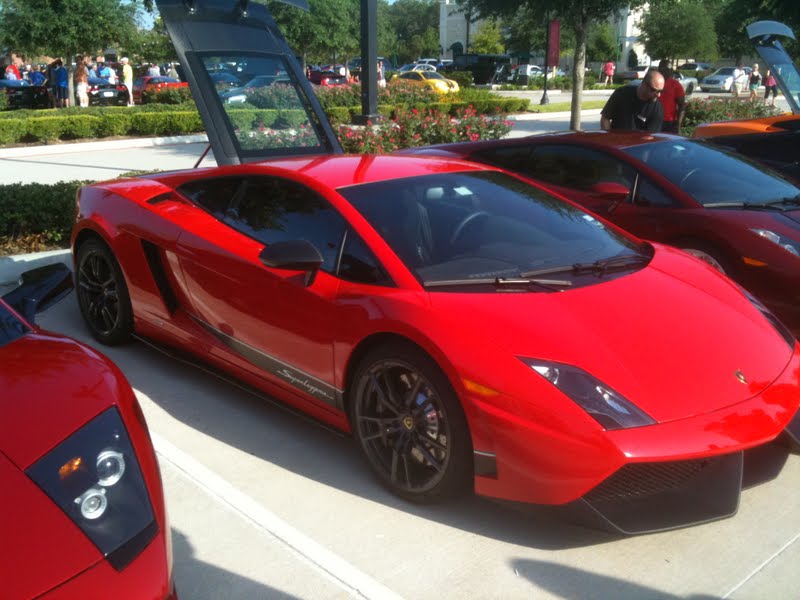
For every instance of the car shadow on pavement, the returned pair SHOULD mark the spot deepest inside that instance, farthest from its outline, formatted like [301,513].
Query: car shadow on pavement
[197,579]
[568,582]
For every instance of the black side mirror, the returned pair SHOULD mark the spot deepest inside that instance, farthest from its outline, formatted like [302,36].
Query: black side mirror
[40,289]
[293,255]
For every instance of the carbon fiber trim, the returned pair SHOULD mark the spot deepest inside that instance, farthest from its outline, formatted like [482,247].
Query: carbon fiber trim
[303,381]
[649,497]
[485,464]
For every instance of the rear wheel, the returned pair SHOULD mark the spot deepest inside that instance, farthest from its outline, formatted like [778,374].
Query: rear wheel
[410,425]
[103,294]
[689,89]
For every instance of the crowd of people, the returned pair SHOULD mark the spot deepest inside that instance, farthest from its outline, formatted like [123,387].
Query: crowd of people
[55,76]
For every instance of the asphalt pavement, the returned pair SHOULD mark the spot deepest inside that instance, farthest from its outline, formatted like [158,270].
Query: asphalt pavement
[268,505]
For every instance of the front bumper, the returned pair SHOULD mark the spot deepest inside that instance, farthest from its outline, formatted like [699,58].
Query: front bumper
[715,87]
[643,479]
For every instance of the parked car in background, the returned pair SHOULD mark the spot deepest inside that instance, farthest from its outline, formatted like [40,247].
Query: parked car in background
[689,84]
[632,73]
[102,93]
[720,80]
[415,67]
[239,95]
[484,67]
[739,217]
[76,457]
[152,84]
[21,94]
[429,79]
[695,66]
[224,80]
[327,77]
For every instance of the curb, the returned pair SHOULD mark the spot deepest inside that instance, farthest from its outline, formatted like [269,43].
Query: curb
[107,145]
[13,266]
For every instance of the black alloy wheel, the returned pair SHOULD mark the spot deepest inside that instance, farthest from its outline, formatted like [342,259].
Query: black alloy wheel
[102,294]
[410,425]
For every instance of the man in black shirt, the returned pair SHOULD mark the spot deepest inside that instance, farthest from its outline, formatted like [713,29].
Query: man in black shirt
[632,107]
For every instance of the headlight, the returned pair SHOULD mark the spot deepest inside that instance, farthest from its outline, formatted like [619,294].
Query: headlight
[94,477]
[606,406]
[237,99]
[782,241]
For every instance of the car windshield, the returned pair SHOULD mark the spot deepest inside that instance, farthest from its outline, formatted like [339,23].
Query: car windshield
[485,225]
[724,71]
[431,75]
[713,175]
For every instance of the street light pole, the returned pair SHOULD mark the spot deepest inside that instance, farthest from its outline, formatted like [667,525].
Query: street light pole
[545,99]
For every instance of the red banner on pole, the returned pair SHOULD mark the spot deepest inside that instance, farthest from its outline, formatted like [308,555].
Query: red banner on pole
[555,43]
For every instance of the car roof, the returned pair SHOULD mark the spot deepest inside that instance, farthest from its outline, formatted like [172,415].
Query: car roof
[335,171]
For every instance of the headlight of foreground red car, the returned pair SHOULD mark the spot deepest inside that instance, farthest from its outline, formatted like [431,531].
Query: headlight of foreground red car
[82,503]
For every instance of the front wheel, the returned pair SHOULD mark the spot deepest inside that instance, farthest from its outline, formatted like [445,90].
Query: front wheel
[410,425]
[103,294]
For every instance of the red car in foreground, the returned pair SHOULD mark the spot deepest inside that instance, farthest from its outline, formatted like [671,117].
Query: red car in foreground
[82,505]
[471,330]
[736,215]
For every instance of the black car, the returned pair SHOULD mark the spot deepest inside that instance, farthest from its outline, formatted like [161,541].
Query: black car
[102,93]
[21,94]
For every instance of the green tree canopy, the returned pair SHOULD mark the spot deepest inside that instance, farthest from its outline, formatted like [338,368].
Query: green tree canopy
[489,40]
[679,30]
[601,43]
[329,31]
[415,24]
[733,16]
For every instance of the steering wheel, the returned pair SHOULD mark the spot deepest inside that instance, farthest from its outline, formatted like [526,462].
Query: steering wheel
[686,177]
[464,223]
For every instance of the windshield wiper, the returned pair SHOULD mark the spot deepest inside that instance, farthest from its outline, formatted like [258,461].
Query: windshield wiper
[775,205]
[552,285]
[790,200]
[598,266]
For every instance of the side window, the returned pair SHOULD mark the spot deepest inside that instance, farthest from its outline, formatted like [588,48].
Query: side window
[213,195]
[512,158]
[270,209]
[650,195]
[358,263]
[577,168]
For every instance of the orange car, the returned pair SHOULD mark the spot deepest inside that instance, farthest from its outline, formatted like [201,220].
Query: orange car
[765,36]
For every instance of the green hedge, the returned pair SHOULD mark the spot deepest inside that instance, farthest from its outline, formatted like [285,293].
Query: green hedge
[37,208]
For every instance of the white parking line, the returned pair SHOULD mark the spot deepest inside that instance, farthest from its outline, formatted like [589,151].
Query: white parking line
[343,573]
[761,566]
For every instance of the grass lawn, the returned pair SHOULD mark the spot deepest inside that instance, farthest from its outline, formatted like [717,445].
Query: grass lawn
[562,106]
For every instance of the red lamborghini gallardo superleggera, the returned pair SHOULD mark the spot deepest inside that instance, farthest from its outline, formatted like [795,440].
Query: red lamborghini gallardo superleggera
[471,330]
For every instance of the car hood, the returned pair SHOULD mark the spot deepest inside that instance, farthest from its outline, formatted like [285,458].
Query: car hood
[670,337]
[51,386]
[45,548]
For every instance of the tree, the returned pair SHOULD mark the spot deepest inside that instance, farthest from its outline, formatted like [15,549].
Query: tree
[489,40]
[152,45]
[734,15]
[67,28]
[329,31]
[601,43]
[416,25]
[576,14]
[679,30]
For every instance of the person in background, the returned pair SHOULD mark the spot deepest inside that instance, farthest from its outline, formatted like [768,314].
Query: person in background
[608,72]
[739,80]
[12,70]
[91,70]
[62,85]
[82,85]
[127,78]
[37,77]
[172,71]
[755,82]
[635,107]
[50,76]
[673,100]
[153,70]
[381,75]
[770,87]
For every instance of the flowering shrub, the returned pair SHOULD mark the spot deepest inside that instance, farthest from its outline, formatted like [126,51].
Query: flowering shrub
[411,128]
[699,111]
